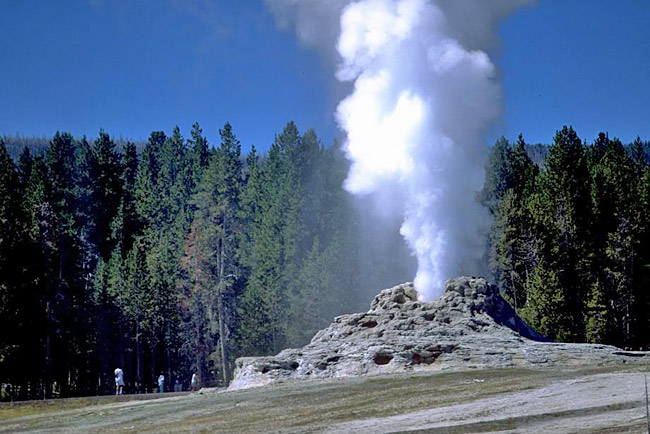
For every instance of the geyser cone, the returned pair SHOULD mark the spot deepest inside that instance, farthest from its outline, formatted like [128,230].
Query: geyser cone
[470,326]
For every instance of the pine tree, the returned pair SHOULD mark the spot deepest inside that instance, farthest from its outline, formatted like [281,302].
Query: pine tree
[130,227]
[146,192]
[599,321]
[250,200]
[274,253]
[637,151]
[29,259]
[599,148]
[508,261]
[314,299]
[512,253]
[561,211]
[25,166]
[546,310]
[497,175]
[64,291]
[614,198]
[106,173]
[10,303]
[216,230]
[199,153]
[8,187]
[198,337]
[135,300]
[642,266]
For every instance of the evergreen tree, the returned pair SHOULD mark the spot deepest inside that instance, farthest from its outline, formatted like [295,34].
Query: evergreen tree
[250,200]
[546,310]
[561,210]
[642,263]
[146,192]
[64,291]
[497,175]
[129,216]
[199,153]
[273,255]
[216,230]
[25,167]
[106,171]
[637,151]
[512,252]
[135,302]
[599,148]
[10,306]
[613,193]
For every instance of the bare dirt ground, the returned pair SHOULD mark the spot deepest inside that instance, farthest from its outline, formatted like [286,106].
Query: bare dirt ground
[600,400]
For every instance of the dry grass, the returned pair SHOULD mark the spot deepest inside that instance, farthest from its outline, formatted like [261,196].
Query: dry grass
[300,406]
[46,406]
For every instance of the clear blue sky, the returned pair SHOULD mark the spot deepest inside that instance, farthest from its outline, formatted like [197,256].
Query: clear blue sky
[579,62]
[131,67]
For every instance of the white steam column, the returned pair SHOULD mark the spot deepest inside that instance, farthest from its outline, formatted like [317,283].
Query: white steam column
[424,95]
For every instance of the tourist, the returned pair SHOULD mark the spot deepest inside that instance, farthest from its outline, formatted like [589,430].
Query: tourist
[119,381]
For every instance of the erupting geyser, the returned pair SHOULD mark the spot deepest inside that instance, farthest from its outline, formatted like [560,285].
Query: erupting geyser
[424,93]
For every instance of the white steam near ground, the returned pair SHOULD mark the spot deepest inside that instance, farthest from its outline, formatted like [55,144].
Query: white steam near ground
[424,94]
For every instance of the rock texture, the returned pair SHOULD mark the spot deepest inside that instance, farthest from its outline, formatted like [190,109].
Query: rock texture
[470,326]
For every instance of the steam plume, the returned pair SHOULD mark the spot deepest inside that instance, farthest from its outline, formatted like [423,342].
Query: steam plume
[424,93]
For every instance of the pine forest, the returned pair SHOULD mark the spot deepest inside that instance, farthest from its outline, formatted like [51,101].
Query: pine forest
[178,256]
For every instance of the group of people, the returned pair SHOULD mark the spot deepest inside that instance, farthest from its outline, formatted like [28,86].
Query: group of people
[119,382]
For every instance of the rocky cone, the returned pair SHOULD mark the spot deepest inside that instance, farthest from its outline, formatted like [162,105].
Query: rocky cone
[470,326]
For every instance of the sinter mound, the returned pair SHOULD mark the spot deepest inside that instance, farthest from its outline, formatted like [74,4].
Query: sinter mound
[470,326]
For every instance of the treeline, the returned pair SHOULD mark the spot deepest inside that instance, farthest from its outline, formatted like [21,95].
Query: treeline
[178,258]
[570,242]
[38,145]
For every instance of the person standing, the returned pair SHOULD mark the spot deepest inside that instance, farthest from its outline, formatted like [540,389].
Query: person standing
[119,381]
[195,382]
[161,383]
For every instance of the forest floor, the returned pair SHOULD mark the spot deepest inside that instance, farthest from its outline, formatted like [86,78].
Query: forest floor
[601,400]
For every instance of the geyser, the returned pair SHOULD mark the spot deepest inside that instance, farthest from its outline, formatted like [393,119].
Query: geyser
[424,93]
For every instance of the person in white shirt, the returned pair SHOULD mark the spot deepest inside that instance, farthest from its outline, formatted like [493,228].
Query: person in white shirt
[161,383]
[119,381]
[195,382]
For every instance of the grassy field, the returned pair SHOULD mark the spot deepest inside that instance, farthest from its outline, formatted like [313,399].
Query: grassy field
[510,400]
[42,407]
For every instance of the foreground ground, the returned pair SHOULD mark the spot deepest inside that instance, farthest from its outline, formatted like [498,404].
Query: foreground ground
[603,400]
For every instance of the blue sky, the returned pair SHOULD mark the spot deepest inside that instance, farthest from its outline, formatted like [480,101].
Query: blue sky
[579,62]
[131,67]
